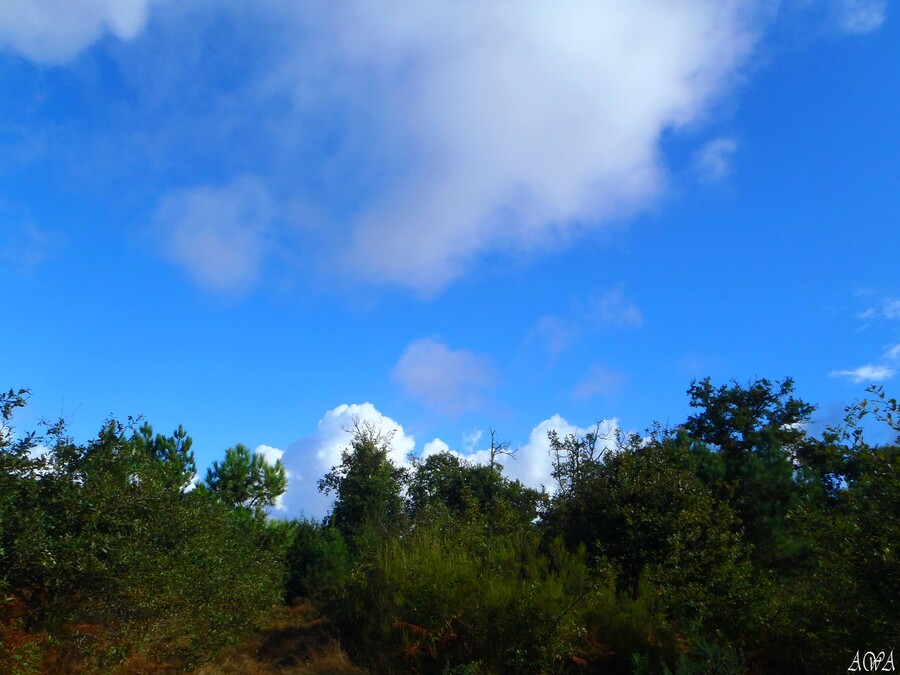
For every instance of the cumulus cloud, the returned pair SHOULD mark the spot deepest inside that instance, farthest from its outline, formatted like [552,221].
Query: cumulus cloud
[866,373]
[438,446]
[435,447]
[309,459]
[599,380]
[513,127]
[450,381]
[533,465]
[54,31]
[713,160]
[219,234]
[859,16]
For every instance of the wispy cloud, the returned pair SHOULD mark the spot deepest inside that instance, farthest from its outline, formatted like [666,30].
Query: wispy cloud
[866,373]
[887,309]
[599,380]
[53,31]
[219,234]
[859,16]
[610,309]
[25,247]
[713,161]
[615,309]
[555,333]
[450,381]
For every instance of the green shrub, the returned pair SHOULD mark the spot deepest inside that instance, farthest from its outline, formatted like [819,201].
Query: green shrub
[441,597]
[318,561]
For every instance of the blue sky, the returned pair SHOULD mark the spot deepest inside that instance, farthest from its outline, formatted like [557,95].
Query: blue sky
[261,219]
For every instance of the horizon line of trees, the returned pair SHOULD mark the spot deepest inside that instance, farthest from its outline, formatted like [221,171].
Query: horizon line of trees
[734,542]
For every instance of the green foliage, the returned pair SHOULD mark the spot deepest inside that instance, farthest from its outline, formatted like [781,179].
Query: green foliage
[740,419]
[246,480]
[643,508]
[105,553]
[757,433]
[464,490]
[735,543]
[173,456]
[423,602]
[318,561]
[848,593]
[367,487]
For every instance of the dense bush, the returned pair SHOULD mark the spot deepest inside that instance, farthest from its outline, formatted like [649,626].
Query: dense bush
[107,554]
[423,601]
[318,561]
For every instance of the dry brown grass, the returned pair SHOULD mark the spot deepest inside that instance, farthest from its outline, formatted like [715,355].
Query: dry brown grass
[293,640]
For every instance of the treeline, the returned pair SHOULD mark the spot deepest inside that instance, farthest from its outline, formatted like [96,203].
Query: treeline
[736,542]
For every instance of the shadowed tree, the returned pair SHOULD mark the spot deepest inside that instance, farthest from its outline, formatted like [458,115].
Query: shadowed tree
[462,489]
[751,446]
[367,485]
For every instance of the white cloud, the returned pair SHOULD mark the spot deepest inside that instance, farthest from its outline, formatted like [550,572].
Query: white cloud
[614,308]
[867,373]
[54,31]
[435,447]
[513,127]
[859,16]
[438,446]
[309,459]
[270,454]
[450,381]
[893,353]
[532,464]
[599,380]
[220,235]
[713,160]
[471,440]
[888,309]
